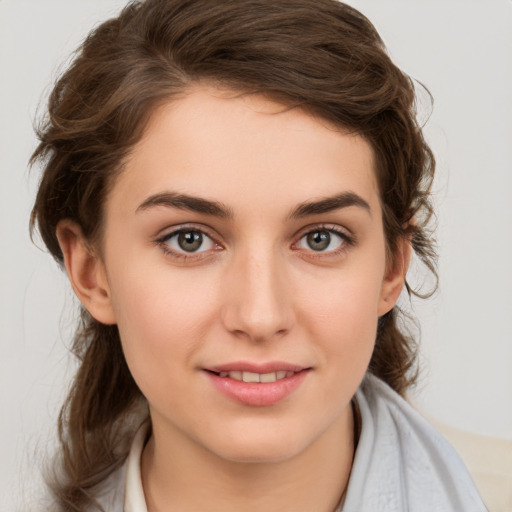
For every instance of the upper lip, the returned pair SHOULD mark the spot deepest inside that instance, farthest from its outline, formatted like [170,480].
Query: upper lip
[262,368]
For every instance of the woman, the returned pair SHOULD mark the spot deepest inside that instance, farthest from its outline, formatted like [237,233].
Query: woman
[234,190]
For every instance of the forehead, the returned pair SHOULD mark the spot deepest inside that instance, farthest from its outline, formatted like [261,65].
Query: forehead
[241,148]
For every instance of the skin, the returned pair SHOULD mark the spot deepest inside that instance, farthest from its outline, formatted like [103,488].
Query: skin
[255,291]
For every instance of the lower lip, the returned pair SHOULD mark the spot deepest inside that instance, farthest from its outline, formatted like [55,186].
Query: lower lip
[258,394]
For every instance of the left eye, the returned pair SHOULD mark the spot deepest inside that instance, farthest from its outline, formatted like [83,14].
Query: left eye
[190,241]
[321,240]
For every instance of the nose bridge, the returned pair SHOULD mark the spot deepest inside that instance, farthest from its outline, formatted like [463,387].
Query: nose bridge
[257,303]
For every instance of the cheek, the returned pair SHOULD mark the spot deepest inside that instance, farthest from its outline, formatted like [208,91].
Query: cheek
[162,317]
[343,313]
[150,295]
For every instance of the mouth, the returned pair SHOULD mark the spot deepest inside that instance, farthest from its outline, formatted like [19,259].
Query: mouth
[244,376]
[257,385]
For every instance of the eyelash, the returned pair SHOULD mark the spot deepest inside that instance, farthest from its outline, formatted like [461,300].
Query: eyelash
[163,241]
[347,240]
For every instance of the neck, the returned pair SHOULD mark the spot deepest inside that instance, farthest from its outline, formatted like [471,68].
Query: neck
[179,475]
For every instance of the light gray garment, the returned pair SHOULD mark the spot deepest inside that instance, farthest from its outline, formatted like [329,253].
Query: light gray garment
[402,464]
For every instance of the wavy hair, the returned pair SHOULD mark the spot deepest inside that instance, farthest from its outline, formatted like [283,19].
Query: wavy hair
[322,56]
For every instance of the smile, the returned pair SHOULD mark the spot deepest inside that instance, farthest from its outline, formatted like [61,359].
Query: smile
[257,385]
[256,377]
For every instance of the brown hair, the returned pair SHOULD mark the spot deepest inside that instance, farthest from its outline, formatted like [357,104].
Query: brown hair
[323,56]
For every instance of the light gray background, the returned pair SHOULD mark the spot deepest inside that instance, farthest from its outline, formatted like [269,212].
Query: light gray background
[461,49]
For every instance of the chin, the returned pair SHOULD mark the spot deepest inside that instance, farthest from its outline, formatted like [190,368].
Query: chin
[264,445]
[258,454]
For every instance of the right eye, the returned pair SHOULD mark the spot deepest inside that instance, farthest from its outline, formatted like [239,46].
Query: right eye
[187,241]
[321,240]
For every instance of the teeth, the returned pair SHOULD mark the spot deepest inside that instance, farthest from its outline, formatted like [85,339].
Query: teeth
[256,377]
[268,377]
[250,377]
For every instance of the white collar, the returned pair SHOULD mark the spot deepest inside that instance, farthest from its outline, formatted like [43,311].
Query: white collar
[134,500]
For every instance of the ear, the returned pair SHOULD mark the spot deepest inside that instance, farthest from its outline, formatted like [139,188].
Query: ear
[395,276]
[86,272]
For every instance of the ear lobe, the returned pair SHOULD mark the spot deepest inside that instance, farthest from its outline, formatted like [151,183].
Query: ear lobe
[395,277]
[86,272]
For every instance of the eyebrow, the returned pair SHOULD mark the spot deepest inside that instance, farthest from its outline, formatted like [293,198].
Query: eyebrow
[217,209]
[329,204]
[186,202]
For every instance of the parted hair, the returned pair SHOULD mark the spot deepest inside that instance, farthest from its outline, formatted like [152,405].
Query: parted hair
[322,56]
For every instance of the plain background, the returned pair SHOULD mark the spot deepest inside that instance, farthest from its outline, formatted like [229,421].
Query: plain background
[460,49]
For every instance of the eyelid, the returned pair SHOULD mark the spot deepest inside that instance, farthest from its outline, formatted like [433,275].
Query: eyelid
[172,231]
[348,237]
[191,226]
[325,226]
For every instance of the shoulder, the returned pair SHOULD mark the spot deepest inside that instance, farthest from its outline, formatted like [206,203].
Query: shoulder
[402,462]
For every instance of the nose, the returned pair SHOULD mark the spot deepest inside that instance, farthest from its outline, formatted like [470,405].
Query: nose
[257,302]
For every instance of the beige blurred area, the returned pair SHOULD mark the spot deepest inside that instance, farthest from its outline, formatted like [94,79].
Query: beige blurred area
[489,461]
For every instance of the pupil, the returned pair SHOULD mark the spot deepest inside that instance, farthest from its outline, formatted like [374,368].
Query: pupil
[319,240]
[190,241]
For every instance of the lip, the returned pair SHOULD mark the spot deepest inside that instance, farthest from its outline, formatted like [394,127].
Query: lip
[246,366]
[258,394]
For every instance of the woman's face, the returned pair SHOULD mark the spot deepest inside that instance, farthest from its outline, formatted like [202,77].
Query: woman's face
[244,242]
